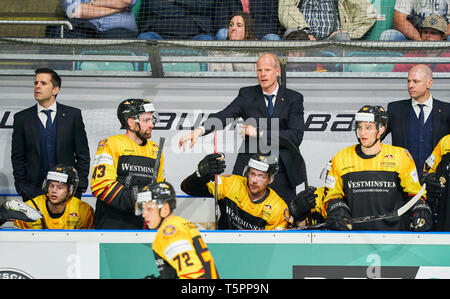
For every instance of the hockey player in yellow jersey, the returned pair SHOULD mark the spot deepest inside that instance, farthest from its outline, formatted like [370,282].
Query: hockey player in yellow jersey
[123,164]
[59,208]
[307,208]
[179,249]
[436,176]
[246,202]
[372,178]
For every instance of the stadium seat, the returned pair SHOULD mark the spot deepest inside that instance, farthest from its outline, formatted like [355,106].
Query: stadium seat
[382,67]
[183,66]
[107,65]
[385,13]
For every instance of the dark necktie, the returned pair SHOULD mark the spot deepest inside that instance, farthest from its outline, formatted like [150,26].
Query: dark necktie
[421,115]
[269,104]
[48,124]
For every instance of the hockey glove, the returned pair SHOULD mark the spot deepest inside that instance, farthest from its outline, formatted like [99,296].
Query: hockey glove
[434,187]
[18,210]
[302,205]
[421,217]
[211,165]
[337,215]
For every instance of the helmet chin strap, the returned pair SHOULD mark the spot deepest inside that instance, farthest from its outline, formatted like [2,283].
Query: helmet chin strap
[161,220]
[138,134]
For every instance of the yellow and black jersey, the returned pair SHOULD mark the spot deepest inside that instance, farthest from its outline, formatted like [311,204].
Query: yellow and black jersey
[267,213]
[441,149]
[180,251]
[77,215]
[121,164]
[373,185]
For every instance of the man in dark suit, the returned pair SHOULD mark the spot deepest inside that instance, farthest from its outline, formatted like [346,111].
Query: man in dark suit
[263,107]
[176,19]
[47,134]
[418,123]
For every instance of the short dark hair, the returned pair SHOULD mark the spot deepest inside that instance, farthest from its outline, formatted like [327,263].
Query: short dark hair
[296,35]
[56,79]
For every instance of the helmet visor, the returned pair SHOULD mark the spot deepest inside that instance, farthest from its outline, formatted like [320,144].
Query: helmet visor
[142,198]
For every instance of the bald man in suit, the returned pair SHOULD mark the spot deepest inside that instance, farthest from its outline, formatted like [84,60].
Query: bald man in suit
[418,123]
[267,103]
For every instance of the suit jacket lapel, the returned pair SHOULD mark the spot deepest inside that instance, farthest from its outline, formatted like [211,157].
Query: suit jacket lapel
[59,119]
[261,101]
[436,114]
[279,103]
[35,124]
[404,124]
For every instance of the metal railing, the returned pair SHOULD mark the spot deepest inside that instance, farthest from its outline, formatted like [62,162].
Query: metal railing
[155,60]
[61,23]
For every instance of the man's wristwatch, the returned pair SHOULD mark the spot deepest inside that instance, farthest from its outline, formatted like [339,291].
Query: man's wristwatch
[92,2]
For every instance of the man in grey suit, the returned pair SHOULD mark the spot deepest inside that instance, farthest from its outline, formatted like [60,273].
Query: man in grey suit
[46,134]
[418,123]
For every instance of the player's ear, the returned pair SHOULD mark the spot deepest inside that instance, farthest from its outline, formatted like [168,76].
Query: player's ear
[381,131]
[130,122]
[165,210]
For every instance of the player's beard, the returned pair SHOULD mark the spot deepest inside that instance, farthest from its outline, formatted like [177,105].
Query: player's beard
[143,136]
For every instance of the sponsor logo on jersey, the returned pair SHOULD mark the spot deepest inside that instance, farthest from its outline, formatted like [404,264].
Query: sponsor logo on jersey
[169,230]
[102,143]
[240,223]
[371,184]
[267,210]
[136,168]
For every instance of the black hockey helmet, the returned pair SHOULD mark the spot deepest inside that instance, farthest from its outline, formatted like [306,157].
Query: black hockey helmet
[63,174]
[263,162]
[133,108]
[375,114]
[158,193]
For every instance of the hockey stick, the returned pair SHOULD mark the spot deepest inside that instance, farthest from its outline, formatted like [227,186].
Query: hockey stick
[286,143]
[402,210]
[216,183]
[158,156]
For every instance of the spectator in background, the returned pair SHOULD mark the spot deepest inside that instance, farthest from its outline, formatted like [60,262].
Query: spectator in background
[47,134]
[109,19]
[419,122]
[177,19]
[299,35]
[322,20]
[241,27]
[59,206]
[409,16]
[433,29]
[263,12]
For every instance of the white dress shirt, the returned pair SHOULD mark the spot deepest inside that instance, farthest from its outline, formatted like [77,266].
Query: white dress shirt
[41,114]
[428,105]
